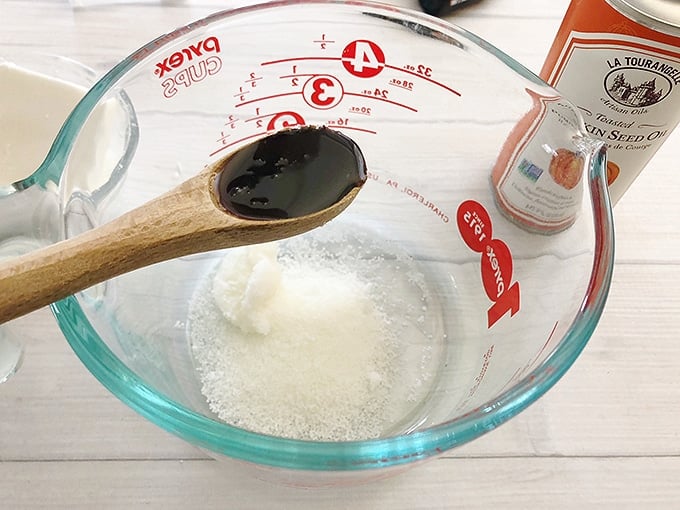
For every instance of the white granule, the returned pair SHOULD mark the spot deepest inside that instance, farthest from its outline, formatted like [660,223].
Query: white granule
[293,346]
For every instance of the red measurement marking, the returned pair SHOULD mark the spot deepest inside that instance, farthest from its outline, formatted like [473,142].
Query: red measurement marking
[285,120]
[223,137]
[265,98]
[236,142]
[415,73]
[296,59]
[361,111]
[402,85]
[323,92]
[401,105]
[363,58]
[231,121]
[259,117]
[307,75]
[239,94]
[407,71]
[323,41]
[253,79]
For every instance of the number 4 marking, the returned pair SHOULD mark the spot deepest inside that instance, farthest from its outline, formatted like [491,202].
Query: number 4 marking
[363,58]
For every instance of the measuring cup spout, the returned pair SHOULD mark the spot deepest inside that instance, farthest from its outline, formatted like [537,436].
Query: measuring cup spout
[594,146]
[596,152]
[601,173]
[545,163]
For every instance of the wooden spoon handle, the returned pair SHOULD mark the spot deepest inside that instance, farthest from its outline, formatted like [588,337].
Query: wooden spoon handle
[186,220]
[159,230]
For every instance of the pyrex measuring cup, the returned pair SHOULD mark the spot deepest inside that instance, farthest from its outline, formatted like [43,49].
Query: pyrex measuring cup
[483,236]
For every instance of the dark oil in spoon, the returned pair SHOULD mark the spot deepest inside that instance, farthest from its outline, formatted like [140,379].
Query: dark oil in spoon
[290,174]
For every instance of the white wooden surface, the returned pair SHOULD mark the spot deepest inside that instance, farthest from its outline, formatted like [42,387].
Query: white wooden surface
[607,436]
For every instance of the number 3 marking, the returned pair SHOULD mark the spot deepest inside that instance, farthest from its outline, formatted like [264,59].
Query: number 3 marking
[323,92]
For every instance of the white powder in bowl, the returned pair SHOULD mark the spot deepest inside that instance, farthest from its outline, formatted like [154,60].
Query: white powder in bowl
[298,348]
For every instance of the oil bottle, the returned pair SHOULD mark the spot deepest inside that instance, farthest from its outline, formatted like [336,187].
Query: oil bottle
[619,62]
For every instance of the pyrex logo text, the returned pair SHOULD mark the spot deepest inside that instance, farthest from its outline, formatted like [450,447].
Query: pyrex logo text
[179,58]
[194,63]
[475,228]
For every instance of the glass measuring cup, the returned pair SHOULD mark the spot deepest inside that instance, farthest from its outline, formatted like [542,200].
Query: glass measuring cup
[38,92]
[490,304]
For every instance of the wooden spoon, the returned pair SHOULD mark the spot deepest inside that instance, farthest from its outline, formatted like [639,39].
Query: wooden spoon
[193,217]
